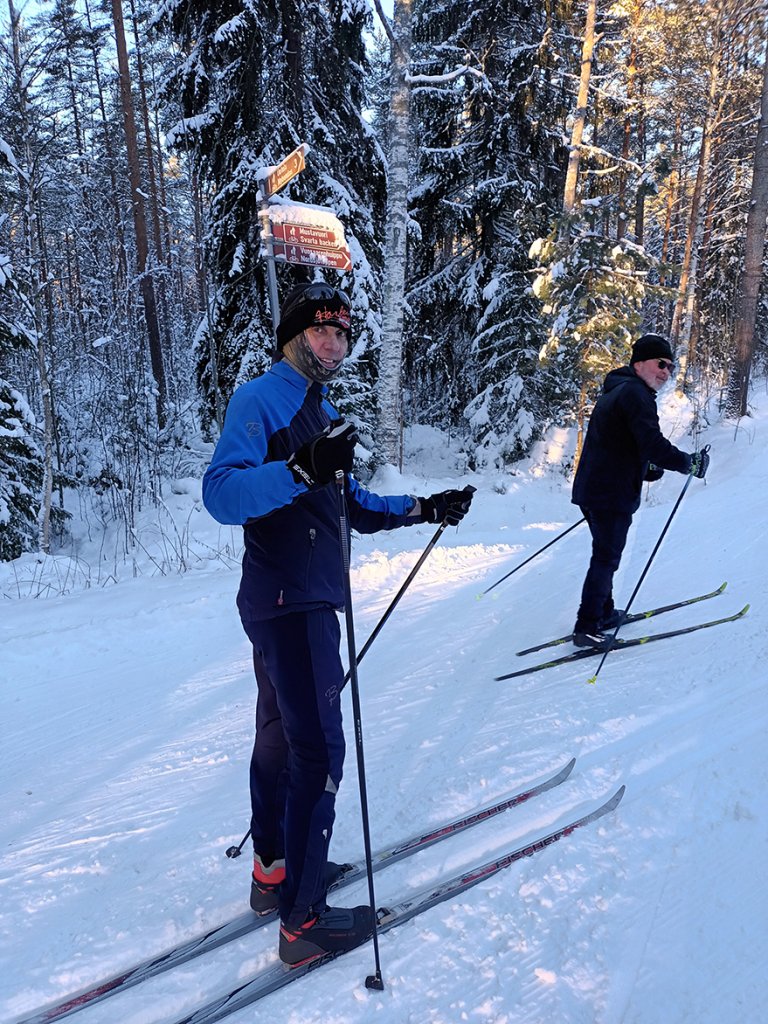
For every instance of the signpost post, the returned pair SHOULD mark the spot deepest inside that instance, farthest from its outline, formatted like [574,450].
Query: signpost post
[276,178]
[298,234]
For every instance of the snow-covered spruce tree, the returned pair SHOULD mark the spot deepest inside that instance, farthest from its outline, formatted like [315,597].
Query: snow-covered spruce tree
[21,474]
[254,79]
[592,290]
[21,461]
[487,184]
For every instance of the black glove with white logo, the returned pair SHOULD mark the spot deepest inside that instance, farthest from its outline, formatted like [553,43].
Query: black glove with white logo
[447,506]
[318,460]
[653,473]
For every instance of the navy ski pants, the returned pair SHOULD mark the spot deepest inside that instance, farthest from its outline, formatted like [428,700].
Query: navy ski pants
[298,753]
[609,530]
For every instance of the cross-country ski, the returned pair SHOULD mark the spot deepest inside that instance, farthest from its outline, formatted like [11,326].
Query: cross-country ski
[651,613]
[621,644]
[250,922]
[277,976]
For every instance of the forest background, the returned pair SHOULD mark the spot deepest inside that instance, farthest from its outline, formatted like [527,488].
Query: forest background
[525,186]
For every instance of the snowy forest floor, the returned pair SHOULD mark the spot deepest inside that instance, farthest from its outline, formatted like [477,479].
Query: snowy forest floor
[127,712]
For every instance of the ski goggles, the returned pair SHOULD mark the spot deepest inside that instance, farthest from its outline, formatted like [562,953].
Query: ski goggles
[318,292]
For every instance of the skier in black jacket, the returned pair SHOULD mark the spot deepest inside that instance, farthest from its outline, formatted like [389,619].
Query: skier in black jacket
[273,472]
[624,446]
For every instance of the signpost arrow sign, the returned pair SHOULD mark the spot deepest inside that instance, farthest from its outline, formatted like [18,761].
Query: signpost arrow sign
[338,259]
[287,169]
[306,234]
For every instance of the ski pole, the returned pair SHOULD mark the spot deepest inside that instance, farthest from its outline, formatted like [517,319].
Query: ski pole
[373,981]
[531,557]
[643,574]
[235,851]
[408,580]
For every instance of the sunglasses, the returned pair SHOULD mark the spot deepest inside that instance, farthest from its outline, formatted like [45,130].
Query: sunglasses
[317,291]
[665,364]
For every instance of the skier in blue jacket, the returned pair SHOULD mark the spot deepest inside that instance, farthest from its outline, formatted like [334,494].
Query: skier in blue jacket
[624,446]
[273,472]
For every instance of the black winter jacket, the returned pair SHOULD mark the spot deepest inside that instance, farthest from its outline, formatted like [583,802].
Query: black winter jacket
[622,439]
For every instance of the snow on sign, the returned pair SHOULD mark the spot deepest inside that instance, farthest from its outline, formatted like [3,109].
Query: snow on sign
[338,259]
[287,169]
[307,234]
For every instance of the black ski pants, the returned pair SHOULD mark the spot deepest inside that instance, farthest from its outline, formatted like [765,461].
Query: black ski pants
[298,752]
[609,530]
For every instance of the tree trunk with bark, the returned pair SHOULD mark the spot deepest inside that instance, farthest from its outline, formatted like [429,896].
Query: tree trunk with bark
[35,283]
[683,311]
[143,268]
[749,288]
[580,114]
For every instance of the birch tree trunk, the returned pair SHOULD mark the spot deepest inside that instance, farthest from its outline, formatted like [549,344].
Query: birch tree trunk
[395,254]
[749,289]
[580,114]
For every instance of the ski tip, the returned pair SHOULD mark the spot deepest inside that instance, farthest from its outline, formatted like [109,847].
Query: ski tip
[744,610]
[617,797]
[722,587]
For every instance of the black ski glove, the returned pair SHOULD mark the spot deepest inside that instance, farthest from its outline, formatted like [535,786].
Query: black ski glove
[653,473]
[699,464]
[447,506]
[319,458]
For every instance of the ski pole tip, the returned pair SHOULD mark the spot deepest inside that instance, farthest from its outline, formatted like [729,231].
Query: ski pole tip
[592,680]
[375,981]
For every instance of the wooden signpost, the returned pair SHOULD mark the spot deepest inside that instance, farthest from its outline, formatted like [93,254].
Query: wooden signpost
[288,233]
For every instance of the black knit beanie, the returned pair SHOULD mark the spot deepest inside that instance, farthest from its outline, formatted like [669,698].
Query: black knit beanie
[313,305]
[651,346]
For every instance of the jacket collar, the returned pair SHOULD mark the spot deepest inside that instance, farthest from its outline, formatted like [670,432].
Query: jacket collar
[284,370]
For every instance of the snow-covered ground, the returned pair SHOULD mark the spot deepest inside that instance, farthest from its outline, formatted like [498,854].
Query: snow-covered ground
[127,712]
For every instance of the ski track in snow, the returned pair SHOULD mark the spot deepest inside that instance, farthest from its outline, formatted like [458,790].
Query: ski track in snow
[127,717]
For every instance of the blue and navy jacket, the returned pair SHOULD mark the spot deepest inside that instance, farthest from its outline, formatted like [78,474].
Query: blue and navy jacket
[292,559]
